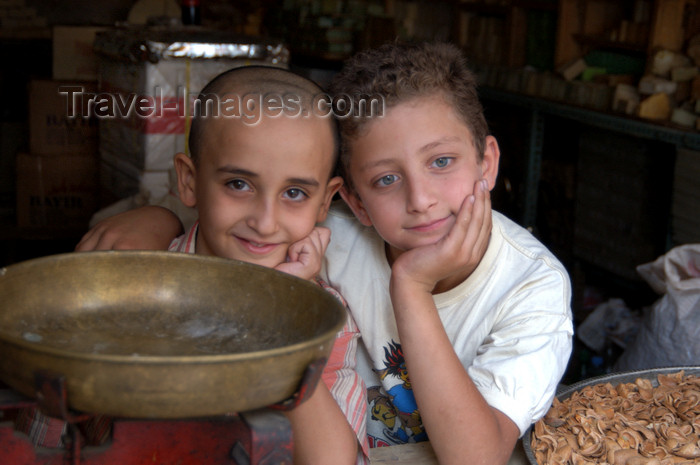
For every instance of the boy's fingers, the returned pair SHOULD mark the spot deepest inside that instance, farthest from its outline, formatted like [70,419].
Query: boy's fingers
[465,220]
[321,237]
[477,225]
[479,211]
[95,239]
[323,233]
[486,225]
[86,242]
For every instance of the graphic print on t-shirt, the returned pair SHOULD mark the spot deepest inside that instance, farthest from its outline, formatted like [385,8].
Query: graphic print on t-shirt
[395,408]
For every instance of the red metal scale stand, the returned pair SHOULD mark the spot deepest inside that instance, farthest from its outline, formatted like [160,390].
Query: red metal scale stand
[260,437]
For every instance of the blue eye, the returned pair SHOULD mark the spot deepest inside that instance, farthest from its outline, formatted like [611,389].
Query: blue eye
[387,180]
[442,162]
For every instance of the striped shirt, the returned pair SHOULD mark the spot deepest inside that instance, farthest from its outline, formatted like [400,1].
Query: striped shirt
[340,374]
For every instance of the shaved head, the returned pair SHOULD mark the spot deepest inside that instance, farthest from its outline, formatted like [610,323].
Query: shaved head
[251,93]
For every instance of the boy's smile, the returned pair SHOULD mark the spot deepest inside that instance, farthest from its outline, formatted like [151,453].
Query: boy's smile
[259,188]
[411,171]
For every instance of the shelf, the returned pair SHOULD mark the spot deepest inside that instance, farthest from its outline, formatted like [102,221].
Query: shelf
[501,9]
[36,33]
[622,124]
[486,9]
[599,42]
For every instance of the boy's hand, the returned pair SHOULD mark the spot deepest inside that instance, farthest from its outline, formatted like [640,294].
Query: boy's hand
[144,228]
[459,252]
[305,256]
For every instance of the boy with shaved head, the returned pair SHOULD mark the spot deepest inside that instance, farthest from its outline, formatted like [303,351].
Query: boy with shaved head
[260,174]
[260,177]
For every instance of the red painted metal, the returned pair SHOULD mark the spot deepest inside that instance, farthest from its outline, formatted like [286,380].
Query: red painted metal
[261,437]
[180,442]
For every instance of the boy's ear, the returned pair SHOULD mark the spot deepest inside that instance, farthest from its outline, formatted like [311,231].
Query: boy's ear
[334,184]
[186,174]
[355,203]
[489,164]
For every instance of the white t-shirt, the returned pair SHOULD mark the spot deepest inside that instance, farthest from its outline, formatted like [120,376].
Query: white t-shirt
[510,324]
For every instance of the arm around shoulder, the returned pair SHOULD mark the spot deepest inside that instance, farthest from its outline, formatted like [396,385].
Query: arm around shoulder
[144,228]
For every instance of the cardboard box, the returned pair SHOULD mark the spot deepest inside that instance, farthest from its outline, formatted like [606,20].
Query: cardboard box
[57,191]
[168,72]
[56,125]
[73,55]
[13,135]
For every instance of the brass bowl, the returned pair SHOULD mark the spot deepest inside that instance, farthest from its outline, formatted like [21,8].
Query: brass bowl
[162,334]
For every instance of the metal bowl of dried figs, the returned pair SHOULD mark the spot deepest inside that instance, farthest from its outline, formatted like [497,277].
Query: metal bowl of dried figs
[649,417]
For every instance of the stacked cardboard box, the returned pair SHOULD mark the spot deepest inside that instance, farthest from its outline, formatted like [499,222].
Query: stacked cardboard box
[146,99]
[57,179]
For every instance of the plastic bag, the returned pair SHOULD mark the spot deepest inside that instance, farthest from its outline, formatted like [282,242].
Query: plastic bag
[670,331]
[611,321]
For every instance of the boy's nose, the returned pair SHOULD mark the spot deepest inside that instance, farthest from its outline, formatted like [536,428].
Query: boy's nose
[263,218]
[420,195]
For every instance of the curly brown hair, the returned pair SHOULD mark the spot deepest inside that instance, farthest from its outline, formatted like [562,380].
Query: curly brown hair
[399,72]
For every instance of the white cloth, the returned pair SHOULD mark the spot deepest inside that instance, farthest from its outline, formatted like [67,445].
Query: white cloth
[510,323]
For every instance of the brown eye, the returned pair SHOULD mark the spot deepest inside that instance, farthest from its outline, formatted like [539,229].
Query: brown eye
[239,185]
[295,194]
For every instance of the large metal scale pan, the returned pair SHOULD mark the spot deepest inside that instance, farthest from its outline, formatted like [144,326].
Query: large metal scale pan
[161,334]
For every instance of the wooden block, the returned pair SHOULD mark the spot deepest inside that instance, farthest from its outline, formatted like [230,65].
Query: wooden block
[649,85]
[420,453]
[695,89]
[570,23]
[573,69]
[683,117]
[625,99]
[683,91]
[615,79]
[684,73]
[693,49]
[665,60]
[667,27]
[655,107]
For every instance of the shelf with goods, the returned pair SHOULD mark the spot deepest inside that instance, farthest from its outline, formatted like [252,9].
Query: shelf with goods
[512,33]
[635,47]
[584,26]
[504,32]
[606,55]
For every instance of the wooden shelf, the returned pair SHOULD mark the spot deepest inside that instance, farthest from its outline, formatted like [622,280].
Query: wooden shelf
[487,9]
[637,127]
[25,33]
[584,25]
[597,42]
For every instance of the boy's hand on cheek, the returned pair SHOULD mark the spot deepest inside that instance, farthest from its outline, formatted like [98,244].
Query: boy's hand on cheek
[459,252]
[305,256]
